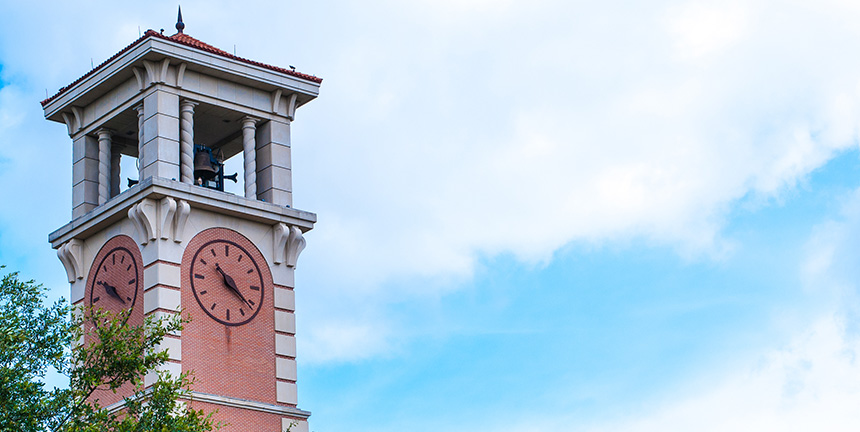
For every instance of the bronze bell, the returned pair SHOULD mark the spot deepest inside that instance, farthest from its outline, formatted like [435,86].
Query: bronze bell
[203,166]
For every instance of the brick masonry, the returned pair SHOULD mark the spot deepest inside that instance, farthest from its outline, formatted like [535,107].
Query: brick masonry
[107,397]
[226,360]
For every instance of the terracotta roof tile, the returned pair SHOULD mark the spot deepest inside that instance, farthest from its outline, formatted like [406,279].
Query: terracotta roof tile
[186,40]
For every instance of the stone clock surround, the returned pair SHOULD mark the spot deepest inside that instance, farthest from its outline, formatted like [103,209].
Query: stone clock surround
[163,216]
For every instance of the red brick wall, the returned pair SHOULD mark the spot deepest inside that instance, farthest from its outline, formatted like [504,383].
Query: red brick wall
[106,397]
[240,419]
[233,361]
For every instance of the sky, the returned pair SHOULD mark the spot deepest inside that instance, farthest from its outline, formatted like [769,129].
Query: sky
[534,215]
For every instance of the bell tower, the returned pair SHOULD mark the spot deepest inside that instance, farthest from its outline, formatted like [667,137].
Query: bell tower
[163,236]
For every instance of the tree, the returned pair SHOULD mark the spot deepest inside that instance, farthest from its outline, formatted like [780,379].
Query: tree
[35,337]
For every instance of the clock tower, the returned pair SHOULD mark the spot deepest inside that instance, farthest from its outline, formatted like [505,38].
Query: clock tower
[174,109]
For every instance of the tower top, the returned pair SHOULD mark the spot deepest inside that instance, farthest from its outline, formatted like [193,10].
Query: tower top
[180,26]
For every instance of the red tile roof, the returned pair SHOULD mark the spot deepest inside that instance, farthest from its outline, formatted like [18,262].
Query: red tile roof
[186,40]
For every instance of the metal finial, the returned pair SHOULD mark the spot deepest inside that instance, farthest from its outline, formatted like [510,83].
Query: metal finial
[179,24]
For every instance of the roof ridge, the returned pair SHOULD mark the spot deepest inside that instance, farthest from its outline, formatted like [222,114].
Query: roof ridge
[183,39]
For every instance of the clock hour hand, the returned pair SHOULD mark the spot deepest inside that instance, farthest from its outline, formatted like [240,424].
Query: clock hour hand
[111,290]
[231,284]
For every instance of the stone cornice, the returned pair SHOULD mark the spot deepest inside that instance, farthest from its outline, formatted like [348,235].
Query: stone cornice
[156,188]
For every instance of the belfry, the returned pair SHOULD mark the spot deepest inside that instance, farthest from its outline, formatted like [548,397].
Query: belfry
[166,237]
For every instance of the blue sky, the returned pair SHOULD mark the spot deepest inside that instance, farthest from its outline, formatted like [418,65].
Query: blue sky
[533,216]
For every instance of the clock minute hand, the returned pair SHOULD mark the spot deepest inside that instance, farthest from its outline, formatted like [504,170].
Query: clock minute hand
[111,290]
[231,284]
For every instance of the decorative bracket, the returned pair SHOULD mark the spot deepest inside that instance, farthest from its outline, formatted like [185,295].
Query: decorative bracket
[140,76]
[174,215]
[142,215]
[180,74]
[276,100]
[168,210]
[288,243]
[70,254]
[183,209]
[156,73]
[75,121]
[291,106]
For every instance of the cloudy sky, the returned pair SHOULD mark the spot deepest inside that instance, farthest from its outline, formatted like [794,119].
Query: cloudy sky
[534,215]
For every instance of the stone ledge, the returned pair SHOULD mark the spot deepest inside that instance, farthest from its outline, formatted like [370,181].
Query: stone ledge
[198,197]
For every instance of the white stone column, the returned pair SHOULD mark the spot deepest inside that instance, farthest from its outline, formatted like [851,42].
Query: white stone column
[104,164]
[139,109]
[114,170]
[249,145]
[186,141]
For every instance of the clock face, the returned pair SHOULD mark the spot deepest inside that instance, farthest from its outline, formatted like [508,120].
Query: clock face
[227,280]
[116,276]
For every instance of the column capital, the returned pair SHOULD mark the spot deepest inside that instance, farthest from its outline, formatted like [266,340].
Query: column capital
[104,133]
[139,109]
[249,121]
[187,104]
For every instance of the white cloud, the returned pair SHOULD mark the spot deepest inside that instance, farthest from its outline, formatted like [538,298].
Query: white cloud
[480,129]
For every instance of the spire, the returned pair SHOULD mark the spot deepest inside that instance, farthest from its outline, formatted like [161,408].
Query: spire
[179,24]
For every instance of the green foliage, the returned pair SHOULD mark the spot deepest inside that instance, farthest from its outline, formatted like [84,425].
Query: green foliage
[34,337]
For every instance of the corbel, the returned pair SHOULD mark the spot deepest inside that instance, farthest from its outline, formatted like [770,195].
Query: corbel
[162,76]
[291,106]
[142,215]
[288,243]
[276,100]
[180,74]
[168,210]
[70,255]
[150,72]
[69,119]
[183,209]
[140,75]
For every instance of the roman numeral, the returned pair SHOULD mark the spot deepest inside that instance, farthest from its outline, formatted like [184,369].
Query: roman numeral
[250,271]
[227,250]
[203,292]
[255,288]
[213,307]
[96,300]
[213,252]
[128,268]
[199,276]
[240,258]
[241,312]
[228,314]
[114,259]
[132,281]
[251,302]
[122,259]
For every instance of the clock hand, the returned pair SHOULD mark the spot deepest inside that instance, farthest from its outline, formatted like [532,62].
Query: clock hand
[111,290]
[232,285]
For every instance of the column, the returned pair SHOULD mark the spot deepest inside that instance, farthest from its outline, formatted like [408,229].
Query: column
[104,175]
[249,147]
[186,141]
[160,155]
[274,176]
[139,109]
[114,170]
[85,175]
